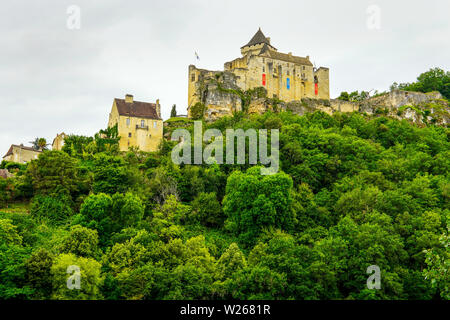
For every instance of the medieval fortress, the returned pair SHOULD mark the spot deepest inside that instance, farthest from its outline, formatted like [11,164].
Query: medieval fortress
[283,75]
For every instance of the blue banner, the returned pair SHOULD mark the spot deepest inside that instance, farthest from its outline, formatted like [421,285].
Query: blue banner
[288,83]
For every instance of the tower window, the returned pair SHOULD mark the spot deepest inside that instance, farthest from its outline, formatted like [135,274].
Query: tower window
[128,121]
[142,123]
[129,134]
[155,124]
[193,77]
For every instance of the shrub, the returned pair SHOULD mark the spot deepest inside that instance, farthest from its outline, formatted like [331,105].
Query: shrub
[54,209]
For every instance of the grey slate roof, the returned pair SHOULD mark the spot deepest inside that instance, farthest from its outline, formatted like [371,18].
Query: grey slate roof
[258,38]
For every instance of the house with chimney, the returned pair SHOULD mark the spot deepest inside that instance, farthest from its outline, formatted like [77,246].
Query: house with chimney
[21,154]
[139,123]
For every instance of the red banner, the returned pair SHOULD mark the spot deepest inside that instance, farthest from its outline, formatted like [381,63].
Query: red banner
[316,88]
[264,79]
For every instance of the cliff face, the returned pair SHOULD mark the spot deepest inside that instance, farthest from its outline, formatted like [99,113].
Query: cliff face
[217,91]
[415,106]
[418,107]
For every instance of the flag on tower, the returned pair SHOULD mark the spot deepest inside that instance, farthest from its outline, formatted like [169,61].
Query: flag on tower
[196,55]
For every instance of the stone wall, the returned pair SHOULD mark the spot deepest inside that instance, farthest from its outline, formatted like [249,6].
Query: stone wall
[415,106]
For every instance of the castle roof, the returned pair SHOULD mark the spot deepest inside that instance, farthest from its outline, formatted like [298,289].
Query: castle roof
[285,57]
[258,38]
[10,151]
[137,109]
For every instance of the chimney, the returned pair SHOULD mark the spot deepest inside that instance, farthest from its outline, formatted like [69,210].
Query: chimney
[158,108]
[268,39]
[290,53]
[307,57]
[129,98]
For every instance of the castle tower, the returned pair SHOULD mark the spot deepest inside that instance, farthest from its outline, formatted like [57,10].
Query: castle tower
[257,42]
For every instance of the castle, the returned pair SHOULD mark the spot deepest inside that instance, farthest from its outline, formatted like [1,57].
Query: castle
[283,75]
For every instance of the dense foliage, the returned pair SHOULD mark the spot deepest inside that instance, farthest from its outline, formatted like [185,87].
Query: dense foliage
[352,192]
[435,79]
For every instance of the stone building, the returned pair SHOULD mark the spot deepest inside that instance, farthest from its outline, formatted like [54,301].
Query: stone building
[139,123]
[284,75]
[58,142]
[21,154]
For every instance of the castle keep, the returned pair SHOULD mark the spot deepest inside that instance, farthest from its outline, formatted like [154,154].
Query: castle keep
[283,75]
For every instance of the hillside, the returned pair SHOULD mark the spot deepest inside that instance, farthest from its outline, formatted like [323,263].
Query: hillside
[353,191]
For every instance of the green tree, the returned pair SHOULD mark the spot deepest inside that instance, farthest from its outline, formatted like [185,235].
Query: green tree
[434,79]
[197,111]
[173,112]
[107,140]
[90,278]
[53,209]
[40,144]
[207,210]
[76,145]
[8,233]
[255,283]
[231,261]
[110,174]
[254,202]
[38,268]
[81,241]
[6,191]
[13,282]
[53,172]
[127,210]
[438,270]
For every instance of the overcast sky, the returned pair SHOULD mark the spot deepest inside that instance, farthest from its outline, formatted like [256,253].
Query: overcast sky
[55,78]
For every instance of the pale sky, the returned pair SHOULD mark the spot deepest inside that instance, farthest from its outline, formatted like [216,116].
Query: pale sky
[56,79]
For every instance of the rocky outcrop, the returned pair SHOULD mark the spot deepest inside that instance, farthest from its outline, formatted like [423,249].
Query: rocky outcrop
[415,106]
[217,91]
[4,173]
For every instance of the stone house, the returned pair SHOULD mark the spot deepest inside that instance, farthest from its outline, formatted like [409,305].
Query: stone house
[139,123]
[21,154]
